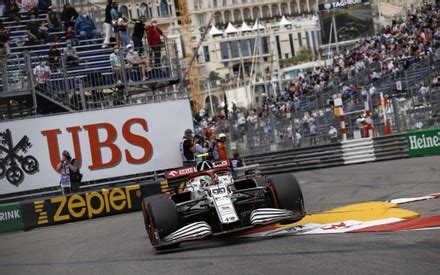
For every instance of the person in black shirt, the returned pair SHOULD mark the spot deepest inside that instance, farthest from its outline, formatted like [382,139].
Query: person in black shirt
[188,148]
[4,41]
[54,57]
[107,26]
[138,34]
[36,33]
[69,15]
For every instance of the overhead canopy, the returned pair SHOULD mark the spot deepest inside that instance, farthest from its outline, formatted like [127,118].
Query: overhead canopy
[285,22]
[231,29]
[214,31]
[258,26]
[245,28]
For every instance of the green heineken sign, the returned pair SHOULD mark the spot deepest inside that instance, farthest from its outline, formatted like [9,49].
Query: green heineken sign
[424,143]
[10,217]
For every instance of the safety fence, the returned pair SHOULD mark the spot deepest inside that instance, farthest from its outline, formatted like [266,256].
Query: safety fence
[92,204]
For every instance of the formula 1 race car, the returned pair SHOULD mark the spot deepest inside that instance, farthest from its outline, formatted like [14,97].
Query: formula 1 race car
[215,200]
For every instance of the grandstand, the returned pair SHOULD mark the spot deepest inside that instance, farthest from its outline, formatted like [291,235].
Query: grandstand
[89,84]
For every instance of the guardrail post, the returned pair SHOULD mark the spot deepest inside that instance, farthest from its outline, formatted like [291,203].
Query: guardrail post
[31,81]
[82,95]
[123,75]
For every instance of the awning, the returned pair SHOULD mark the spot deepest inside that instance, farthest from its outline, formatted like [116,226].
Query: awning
[245,28]
[285,22]
[231,29]
[214,31]
[258,26]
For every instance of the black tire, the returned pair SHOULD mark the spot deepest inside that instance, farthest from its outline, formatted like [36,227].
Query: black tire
[160,214]
[287,192]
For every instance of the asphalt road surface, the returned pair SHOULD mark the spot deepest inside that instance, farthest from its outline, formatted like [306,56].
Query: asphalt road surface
[119,245]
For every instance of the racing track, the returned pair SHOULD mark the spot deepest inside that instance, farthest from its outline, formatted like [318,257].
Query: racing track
[119,244]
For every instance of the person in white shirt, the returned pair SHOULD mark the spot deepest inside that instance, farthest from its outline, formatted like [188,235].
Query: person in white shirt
[333,134]
[134,60]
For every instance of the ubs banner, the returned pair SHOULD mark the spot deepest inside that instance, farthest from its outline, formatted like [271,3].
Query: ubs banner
[107,143]
[424,143]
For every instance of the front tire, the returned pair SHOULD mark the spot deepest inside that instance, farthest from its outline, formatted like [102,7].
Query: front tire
[161,219]
[287,193]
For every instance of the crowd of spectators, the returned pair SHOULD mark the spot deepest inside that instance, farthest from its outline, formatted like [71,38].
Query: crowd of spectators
[407,40]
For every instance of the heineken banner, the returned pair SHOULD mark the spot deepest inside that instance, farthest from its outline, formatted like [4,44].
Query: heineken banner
[424,143]
[10,217]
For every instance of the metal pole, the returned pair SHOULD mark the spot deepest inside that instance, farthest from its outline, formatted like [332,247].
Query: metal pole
[123,74]
[82,95]
[210,98]
[335,30]
[5,74]
[31,81]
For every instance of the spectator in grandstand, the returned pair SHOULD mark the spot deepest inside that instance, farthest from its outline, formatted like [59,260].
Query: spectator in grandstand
[44,5]
[54,57]
[36,33]
[188,148]
[135,61]
[333,134]
[70,35]
[116,60]
[69,15]
[107,26]
[71,177]
[123,31]
[114,13]
[53,24]
[42,74]
[155,43]
[313,133]
[70,54]
[138,34]
[12,11]
[29,4]
[85,27]
[4,41]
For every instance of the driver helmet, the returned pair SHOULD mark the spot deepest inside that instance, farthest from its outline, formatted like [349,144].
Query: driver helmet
[205,180]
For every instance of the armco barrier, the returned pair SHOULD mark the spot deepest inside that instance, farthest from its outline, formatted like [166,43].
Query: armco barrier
[348,152]
[298,159]
[88,205]
[10,217]
[390,147]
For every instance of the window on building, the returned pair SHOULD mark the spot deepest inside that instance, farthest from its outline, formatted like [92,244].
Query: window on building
[144,11]
[214,3]
[224,49]
[277,39]
[206,53]
[201,19]
[163,9]
[307,39]
[292,47]
[244,44]
[252,44]
[235,51]
[123,10]
[314,41]
[265,46]
[318,34]
[300,41]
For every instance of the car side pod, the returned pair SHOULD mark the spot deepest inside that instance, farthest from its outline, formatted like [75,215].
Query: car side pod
[271,215]
[197,230]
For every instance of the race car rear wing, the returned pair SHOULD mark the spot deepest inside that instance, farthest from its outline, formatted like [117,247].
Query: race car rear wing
[247,171]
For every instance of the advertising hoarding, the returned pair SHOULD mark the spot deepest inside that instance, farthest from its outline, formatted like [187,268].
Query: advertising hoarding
[108,143]
[353,19]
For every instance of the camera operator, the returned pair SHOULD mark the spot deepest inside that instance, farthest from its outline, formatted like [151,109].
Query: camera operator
[188,148]
[70,175]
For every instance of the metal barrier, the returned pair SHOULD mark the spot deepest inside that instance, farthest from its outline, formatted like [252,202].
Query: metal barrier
[344,153]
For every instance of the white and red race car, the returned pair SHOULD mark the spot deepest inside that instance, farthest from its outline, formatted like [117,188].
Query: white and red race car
[215,200]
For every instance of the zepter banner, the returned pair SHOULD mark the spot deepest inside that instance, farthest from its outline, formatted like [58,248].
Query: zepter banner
[107,143]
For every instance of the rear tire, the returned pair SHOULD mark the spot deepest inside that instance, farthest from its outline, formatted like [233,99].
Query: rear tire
[160,214]
[287,193]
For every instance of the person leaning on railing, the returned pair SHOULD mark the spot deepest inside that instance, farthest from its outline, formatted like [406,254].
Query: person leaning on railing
[155,43]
